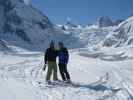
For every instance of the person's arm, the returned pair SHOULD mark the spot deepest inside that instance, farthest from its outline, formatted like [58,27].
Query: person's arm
[57,53]
[46,57]
[67,55]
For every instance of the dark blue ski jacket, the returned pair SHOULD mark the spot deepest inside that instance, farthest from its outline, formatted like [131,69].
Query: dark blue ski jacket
[63,56]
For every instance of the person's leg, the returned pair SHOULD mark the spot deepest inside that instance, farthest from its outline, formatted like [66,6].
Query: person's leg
[61,68]
[55,77]
[49,72]
[66,72]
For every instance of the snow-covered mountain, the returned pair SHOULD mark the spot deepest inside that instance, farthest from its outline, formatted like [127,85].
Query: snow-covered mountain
[122,36]
[104,21]
[28,2]
[87,35]
[22,23]
[117,22]
[93,34]
[24,26]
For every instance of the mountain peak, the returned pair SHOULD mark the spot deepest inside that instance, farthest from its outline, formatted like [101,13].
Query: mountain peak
[22,23]
[27,2]
[104,21]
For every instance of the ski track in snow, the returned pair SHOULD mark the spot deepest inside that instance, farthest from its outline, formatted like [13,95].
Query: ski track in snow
[92,79]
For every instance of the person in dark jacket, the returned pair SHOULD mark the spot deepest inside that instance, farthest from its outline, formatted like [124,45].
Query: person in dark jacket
[50,60]
[63,61]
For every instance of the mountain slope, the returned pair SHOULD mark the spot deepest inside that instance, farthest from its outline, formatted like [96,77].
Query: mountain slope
[122,36]
[24,26]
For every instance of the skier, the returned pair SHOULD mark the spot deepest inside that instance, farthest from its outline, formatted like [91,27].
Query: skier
[50,60]
[63,61]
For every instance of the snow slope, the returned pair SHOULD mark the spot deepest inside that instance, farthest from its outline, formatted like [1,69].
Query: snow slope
[107,76]
[122,36]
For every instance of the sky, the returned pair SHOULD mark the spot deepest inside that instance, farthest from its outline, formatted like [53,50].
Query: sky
[84,11]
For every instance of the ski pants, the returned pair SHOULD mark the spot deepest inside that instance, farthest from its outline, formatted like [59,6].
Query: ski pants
[52,69]
[63,71]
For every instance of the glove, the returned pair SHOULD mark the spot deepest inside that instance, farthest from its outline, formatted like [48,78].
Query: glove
[44,67]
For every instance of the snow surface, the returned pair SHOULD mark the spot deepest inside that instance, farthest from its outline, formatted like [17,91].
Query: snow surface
[107,76]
